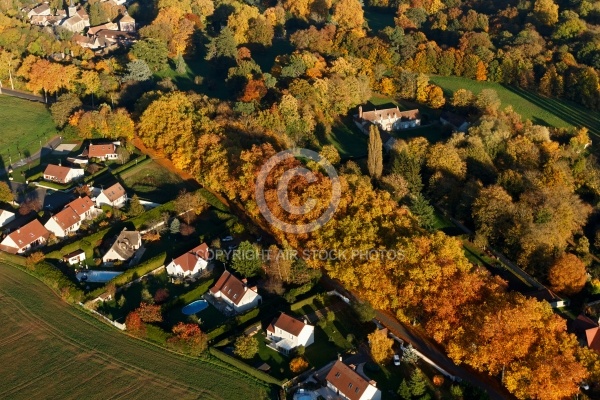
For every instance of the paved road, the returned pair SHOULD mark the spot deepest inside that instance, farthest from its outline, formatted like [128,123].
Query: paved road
[23,95]
[422,344]
[433,352]
[47,149]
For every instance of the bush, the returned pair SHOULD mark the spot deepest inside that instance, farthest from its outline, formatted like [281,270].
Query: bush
[246,346]
[298,365]
[213,200]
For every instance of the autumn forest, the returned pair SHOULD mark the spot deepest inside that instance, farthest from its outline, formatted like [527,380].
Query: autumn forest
[220,86]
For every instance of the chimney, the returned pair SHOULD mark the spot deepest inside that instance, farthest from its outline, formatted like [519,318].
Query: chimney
[360,112]
[245,281]
[372,382]
[339,357]
[353,367]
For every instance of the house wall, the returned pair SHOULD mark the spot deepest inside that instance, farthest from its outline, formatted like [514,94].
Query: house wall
[371,393]
[102,199]
[9,243]
[6,218]
[53,227]
[76,259]
[306,337]
[74,174]
[250,300]
[111,255]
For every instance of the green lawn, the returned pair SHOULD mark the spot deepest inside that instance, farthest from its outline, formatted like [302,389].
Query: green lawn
[51,349]
[24,124]
[539,109]
[349,141]
[152,182]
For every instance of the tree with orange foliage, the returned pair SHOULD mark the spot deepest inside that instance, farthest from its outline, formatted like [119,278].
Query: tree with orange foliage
[298,365]
[189,338]
[254,91]
[149,313]
[381,346]
[568,275]
[135,325]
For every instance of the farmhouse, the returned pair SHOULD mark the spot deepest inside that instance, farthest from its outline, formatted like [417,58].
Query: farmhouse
[287,333]
[191,263]
[60,174]
[235,293]
[348,384]
[114,196]
[65,222]
[6,217]
[389,119]
[103,152]
[75,257]
[127,243]
[31,235]
[84,207]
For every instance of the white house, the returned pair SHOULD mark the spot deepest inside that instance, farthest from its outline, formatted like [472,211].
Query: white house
[31,235]
[127,243]
[348,384]
[235,293]
[42,9]
[60,174]
[389,119]
[75,257]
[191,263]
[113,196]
[84,207]
[65,222]
[77,20]
[287,333]
[6,217]
[103,152]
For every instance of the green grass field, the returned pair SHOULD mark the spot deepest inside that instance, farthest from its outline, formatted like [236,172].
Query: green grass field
[50,349]
[153,182]
[540,110]
[24,124]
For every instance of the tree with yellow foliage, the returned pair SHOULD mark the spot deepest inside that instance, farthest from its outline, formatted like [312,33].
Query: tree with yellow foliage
[381,346]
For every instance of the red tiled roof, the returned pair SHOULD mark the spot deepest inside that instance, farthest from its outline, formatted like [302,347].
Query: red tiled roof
[57,171]
[187,261]
[593,338]
[230,287]
[114,192]
[101,150]
[66,218]
[81,205]
[29,233]
[347,381]
[287,324]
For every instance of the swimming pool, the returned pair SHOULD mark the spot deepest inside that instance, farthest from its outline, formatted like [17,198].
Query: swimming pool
[194,307]
[97,276]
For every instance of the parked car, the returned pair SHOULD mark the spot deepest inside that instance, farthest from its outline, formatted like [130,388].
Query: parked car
[227,239]
[396,360]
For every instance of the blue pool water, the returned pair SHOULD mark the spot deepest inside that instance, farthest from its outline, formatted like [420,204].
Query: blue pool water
[194,307]
[97,276]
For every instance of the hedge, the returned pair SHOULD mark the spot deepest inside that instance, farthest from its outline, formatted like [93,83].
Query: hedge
[87,244]
[141,160]
[132,273]
[49,275]
[247,316]
[302,303]
[154,214]
[244,367]
[88,179]
[213,200]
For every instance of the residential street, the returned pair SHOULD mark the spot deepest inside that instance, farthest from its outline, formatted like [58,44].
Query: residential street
[48,147]
[22,95]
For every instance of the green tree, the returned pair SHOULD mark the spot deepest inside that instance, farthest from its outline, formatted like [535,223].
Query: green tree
[62,109]
[175,226]
[222,46]
[375,156]
[137,70]
[424,212]
[8,65]
[135,206]
[404,390]
[364,310]
[418,383]
[409,355]
[246,260]
[153,51]
[246,346]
